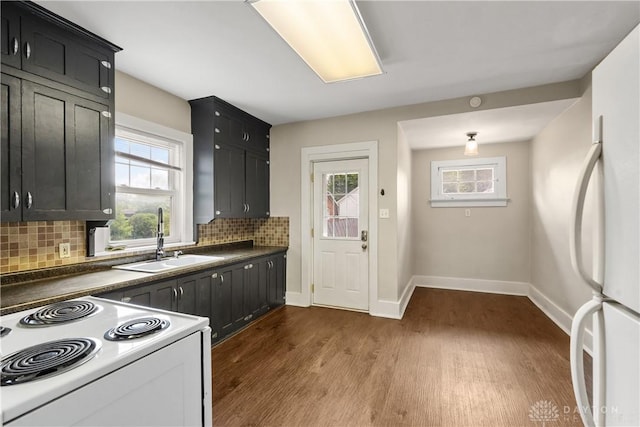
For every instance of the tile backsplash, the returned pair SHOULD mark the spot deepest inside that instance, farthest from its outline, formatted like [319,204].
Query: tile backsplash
[31,245]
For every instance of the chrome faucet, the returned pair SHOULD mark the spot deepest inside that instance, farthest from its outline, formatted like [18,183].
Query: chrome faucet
[160,237]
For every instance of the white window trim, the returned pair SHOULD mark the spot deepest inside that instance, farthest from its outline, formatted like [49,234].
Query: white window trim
[498,198]
[126,123]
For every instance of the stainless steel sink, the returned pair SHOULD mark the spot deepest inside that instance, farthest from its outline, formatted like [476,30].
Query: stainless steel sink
[168,263]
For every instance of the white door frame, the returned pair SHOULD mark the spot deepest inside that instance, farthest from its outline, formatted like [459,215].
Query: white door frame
[310,155]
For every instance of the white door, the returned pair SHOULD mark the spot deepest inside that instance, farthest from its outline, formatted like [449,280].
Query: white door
[340,234]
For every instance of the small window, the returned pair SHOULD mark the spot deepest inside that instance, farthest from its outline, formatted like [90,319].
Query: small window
[469,182]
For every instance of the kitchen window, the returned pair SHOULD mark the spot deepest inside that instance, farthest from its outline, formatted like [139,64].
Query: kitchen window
[151,172]
[469,182]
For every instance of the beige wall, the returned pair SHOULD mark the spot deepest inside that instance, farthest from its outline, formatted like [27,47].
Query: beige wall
[404,203]
[557,154]
[492,243]
[141,100]
[381,125]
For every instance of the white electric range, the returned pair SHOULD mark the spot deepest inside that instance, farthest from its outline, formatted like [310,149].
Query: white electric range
[97,362]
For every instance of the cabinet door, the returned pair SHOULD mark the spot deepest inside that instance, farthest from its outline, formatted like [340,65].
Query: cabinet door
[222,317]
[277,280]
[257,185]
[56,54]
[280,262]
[227,128]
[262,268]
[141,295]
[228,301]
[251,291]
[66,156]
[10,39]
[194,294]
[11,156]
[257,134]
[164,295]
[228,181]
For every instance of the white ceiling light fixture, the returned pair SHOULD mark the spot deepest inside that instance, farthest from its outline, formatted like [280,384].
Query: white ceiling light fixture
[330,36]
[471,147]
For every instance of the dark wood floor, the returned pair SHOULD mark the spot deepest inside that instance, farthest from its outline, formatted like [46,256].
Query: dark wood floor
[455,359]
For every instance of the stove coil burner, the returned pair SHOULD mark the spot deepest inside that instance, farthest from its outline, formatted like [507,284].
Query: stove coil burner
[60,312]
[136,328]
[46,360]
[4,331]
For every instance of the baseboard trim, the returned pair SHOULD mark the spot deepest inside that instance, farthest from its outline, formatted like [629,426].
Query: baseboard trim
[473,285]
[295,299]
[558,315]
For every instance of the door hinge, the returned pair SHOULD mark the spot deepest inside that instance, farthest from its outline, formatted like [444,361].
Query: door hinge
[313,288]
[312,233]
[311,177]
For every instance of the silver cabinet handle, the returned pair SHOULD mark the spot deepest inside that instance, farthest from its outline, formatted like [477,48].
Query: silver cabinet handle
[106,114]
[214,276]
[29,200]
[106,64]
[246,267]
[106,89]
[126,299]
[248,207]
[16,46]
[214,335]
[16,200]
[27,50]
[218,212]
[250,265]
[217,113]
[217,147]
[221,279]
[181,293]
[216,130]
[175,294]
[107,211]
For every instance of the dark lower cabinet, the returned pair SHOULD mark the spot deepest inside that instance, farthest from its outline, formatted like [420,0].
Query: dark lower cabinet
[277,279]
[231,296]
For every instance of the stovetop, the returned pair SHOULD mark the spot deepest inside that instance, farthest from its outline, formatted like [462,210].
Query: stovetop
[93,320]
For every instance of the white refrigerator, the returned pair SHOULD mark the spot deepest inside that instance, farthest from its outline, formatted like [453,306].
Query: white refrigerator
[615,279]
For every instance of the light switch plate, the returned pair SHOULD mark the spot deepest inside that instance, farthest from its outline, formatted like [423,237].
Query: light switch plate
[384,213]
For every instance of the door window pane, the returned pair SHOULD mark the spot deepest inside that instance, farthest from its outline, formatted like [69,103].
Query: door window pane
[341,207]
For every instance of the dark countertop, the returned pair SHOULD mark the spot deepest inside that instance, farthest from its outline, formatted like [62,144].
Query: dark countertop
[95,279]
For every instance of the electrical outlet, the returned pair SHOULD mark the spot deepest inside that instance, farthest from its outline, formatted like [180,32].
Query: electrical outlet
[65,250]
[384,213]
[467,212]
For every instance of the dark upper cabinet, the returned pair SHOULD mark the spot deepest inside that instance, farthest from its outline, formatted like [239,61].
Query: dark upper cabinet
[231,162]
[57,130]
[11,155]
[10,38]
[256,193]
[229,182]
[66,156]
[45,45]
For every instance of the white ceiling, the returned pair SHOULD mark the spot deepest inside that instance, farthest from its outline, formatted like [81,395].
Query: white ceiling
[429,50]
[511,124]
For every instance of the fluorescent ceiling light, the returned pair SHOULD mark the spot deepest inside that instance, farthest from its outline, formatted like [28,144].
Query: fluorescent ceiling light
[329,35]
